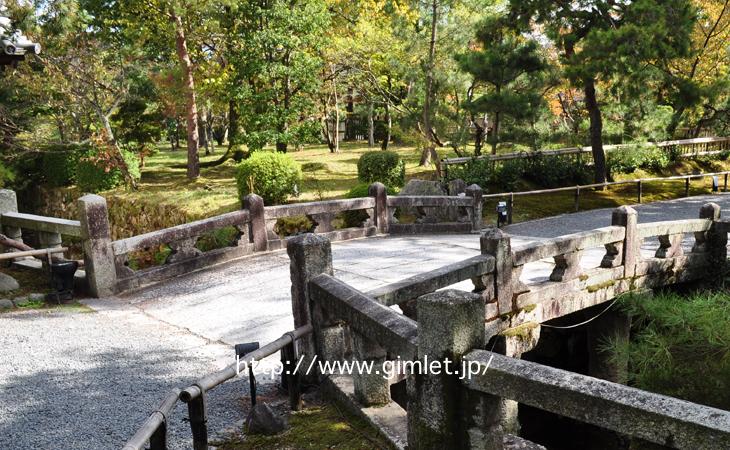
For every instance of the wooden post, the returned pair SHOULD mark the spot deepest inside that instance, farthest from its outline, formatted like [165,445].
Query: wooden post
[441,412]
[725,188]
[290,379]
[101,272]
[158,440]
[199,421]
[686,187]
[257,227]
[310,255]
[510,207]
[497,243]
[377,190]
[577,198]
[639,191]
[627,217]
[475,192]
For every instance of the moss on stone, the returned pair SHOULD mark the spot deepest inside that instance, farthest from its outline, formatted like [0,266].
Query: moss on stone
[583,277]
[522,332]
[597,287]
[529,308]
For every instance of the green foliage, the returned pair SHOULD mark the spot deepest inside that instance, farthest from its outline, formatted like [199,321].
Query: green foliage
[383,166]
[512,66]
[6,175]
[557,171]
[58,164]
[361,190]
[273,176]
[475,171]
[292,226]
[98,171]
[679,346]
[628,159]
[275,69]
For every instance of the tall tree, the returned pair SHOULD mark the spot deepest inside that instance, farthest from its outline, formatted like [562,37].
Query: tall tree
[603,38]
[510,65]
[278,59]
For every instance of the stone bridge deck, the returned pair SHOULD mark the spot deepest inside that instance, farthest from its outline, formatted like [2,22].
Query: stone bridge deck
[74,380]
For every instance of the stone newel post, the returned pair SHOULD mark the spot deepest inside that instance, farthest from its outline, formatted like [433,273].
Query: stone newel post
[9,203]
[629,252]
[255,206]
[475,192]
[310,255]
[497,243]
[713,242]
[377,190]
[98,254]
[441,412]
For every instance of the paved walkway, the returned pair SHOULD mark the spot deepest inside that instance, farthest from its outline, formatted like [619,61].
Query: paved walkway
[87,380]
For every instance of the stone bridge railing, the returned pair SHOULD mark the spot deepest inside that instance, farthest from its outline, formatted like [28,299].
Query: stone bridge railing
[503,314]
[113,266]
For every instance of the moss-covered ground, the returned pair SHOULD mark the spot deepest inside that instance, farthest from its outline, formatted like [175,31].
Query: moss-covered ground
[321,425]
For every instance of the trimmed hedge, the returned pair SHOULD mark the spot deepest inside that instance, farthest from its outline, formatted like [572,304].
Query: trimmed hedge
[627,160]
[383,166]
[273,176]
[95,170]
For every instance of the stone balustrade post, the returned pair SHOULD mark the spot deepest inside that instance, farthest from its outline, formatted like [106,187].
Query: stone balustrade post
[628,252]
[371,389]
[9,203]
[475,192]
[497,243]
[101,274]
[713,242]
[257,227]
[311,255]
[377,191]
[442,413]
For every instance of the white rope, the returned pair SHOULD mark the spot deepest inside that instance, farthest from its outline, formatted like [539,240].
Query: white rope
[582,323]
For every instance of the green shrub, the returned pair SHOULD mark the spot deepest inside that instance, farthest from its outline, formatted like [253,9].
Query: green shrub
[628,159]
[356,218]
[383,166]
[273,176]
[6,175]
[474,171]
[508,175]
[58,164]
[679,345]
[97,170]
[557,171]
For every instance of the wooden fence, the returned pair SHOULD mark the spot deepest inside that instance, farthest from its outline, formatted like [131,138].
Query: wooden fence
[154,430]
[680,148]
[578,190]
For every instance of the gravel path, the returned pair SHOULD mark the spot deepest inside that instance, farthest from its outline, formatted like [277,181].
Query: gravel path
[87,380]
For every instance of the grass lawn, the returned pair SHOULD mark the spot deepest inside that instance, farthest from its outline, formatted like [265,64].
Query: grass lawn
[164,183]
[215,191]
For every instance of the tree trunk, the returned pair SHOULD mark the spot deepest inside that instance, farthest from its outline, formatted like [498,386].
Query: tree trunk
[495,133]
[190,101]
[371,126]
[429,150]
[388,127]
[233,124]
[596,131]
[204,136]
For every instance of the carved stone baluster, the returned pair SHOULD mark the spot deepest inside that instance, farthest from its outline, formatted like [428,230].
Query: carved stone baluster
[121,264]
[614,255]
[567,266]
[670,246]
[242,237]
[370,221]
[323,221]
[270,230]
[183,249]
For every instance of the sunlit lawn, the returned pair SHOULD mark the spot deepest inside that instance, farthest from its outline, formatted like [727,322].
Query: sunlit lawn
[164,178]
